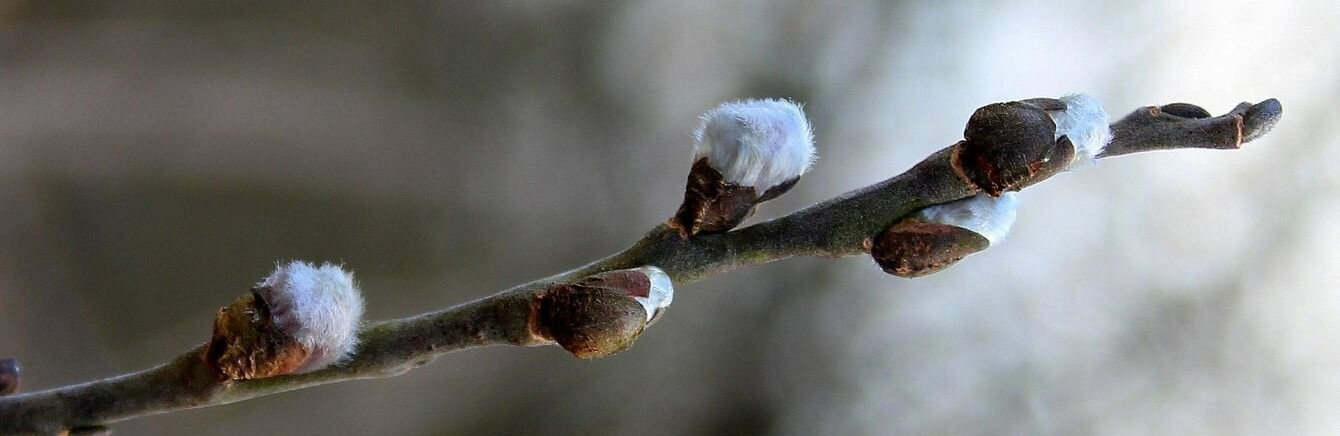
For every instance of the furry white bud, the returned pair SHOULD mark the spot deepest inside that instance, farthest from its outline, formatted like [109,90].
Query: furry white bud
[1086,124]
[985,215]
[756,143]
[661,294]
[319,307]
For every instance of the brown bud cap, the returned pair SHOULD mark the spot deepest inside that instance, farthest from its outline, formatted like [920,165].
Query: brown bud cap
[1185,110]
[601,315]
[1005,145]
[714,205]
[1058,162]
[248,345]
[9,376]
[1046,103]
[912,248]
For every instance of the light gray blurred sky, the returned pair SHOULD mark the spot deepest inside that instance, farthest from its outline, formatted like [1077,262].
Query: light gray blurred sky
[157,158]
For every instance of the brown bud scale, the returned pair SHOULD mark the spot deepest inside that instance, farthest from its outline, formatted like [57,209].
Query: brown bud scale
[1185,110]
[912,248]
[777,191]
[1004,144]
[596,317]
[248,345]
[714,205]
[1062,156]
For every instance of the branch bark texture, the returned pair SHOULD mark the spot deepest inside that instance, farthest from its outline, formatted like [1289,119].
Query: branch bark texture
[842,226]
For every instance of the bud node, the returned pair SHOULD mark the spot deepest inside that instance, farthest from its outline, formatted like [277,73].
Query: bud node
[603,314]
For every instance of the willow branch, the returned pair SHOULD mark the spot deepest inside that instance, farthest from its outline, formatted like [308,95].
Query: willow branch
[841,226]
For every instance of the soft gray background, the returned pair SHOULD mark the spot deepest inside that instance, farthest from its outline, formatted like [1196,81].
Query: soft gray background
[157,158]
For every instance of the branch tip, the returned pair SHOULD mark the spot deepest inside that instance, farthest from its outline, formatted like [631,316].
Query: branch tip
[1184,125]
[1260,118]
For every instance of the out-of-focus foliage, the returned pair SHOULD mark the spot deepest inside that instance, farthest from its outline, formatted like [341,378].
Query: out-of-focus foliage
[157,158]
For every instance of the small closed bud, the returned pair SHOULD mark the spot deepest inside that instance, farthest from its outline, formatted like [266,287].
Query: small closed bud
[9,376]
[1009,146]
[1185,110]
[1004,146]
[745,153]
[299,319]
[603,314]
[941,235]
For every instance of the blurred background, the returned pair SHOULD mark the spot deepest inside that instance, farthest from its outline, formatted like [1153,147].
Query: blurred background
[158,157]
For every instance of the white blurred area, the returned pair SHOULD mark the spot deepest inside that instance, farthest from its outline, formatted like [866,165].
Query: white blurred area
[156,158]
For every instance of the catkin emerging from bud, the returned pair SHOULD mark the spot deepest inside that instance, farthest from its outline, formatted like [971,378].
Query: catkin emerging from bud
[988,216]
[603,314]
[1086,124]
[941,235]
[745,153]
[1009,146]
[756,143]
[320,307]
[660,292]
[299,319]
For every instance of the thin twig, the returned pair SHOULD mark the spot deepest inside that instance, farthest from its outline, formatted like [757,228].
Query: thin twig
[837,227]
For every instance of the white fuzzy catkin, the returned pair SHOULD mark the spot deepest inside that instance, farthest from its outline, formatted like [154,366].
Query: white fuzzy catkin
[661,294]
[988,216]
[320,307]
[1086,124]
[757,143]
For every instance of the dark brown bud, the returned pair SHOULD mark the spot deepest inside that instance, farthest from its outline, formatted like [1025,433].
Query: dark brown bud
[1060,161]
[1005,145]
[912,248]
[96,430]
[248,345]
[1046,103]
[1185,110]
[714,205]
[603,314]
[9,376]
